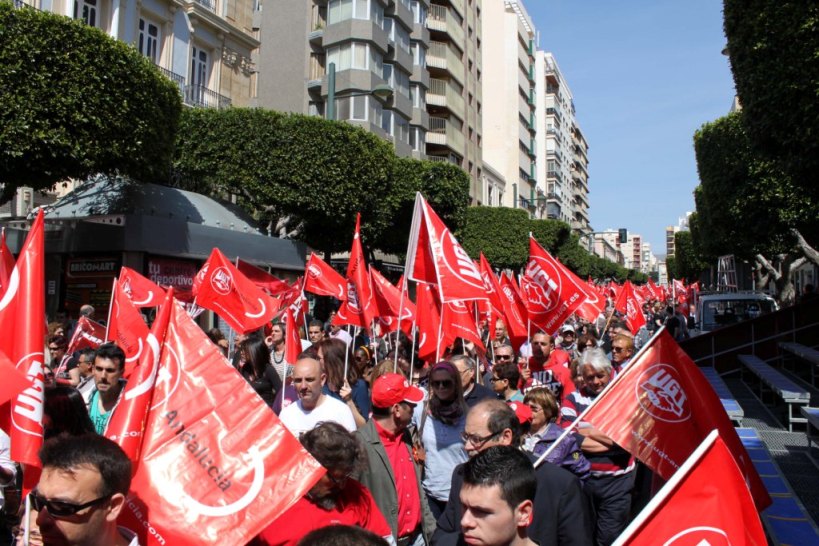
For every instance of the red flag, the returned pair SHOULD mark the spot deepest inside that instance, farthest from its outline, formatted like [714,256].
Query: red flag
[22,321]
[292,343]
[458,320]
[428,322]
[628,304]
[494,305]
[217,465]
[261,278]
[141,291]
[514,311]
[293,299]
[6,263]
[388,300]
[226,291]
[706,503]
[127,424]
[14,381]
[653,291]
[553,295]
[359,307]
[126,327]
[321,279]
[661,407]
[87,334]
[436,257]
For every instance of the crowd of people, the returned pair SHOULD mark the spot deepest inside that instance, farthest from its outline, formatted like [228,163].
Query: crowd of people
[416,453]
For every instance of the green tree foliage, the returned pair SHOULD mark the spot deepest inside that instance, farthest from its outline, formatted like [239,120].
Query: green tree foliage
[551,234]
[74,102]
[774,51]
[317,172]
[689,265]
[671,267]
[745,205]
[501,233]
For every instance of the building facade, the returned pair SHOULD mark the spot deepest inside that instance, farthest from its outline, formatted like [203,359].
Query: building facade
[509,107]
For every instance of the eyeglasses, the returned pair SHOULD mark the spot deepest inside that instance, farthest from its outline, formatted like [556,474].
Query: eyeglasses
[61,509]
[494,379]
[618,349]
[446,384]
[476,440]
[540,343]
[503,357]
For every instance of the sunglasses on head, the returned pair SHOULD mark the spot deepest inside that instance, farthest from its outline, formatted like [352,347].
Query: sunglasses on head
[61,509]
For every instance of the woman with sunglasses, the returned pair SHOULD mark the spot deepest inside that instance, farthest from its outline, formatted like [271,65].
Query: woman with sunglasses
[440,422]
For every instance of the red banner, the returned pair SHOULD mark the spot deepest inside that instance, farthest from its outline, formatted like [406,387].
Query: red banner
[14,381]
[87,334]
[436,257]
[553,295]
[217,465]
[126,328]
[223,289]
[141,291]
[359,307]
[428,323]
[458,320]
[628,304]
[388,299]
[22,321]
[261,278]
[661,407]
[706,503]
[323,280]
[292,343]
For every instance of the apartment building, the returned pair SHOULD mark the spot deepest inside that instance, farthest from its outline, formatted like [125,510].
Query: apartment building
[509,102]
[205,46]
[579,172]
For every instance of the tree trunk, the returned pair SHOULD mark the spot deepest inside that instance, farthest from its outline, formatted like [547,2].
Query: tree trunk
[809,252]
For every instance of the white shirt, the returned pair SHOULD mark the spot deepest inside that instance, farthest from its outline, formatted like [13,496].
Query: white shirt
[6,463]
[297,420]
[343,336]
[129,535]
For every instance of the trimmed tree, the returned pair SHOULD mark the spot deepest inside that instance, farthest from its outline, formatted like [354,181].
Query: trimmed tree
[501,233]
[74,102]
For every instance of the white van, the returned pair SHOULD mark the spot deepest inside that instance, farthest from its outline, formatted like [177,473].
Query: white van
[718,310]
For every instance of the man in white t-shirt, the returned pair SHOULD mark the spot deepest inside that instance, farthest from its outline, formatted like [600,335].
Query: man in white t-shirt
[313,406]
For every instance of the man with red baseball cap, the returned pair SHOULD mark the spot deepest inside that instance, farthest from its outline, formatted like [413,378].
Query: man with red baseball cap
[394,472]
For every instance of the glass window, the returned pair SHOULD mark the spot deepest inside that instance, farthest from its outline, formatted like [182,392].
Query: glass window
[360,108]
[376,61]
[86,11]
[339,10]
[402,38]
[401,129]
[419,12]
[362,9]
[377,13]
[148,41]
[419,54]
[360,57]
[401,82]
[386,121]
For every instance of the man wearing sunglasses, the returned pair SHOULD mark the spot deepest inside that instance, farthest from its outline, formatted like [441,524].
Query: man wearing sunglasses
[622,349]
[560,509]
[81,492]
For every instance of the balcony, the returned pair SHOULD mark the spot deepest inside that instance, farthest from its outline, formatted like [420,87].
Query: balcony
[444,133]
[176,78]
[442,93]
[208,4]
[459,7]
[200,96]
[440,19]
[442,56]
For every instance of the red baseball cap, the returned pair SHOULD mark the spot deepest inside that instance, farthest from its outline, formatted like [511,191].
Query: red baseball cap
[522,411]
[392,388]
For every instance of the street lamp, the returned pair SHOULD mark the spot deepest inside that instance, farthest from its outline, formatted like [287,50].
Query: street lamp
[382,92]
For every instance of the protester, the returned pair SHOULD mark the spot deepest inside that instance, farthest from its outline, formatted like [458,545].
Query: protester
[109,365]
[81,492]
[335,499]
[440,423]
[568,339]
[505,381]
[622,349]
[218,339]
[612,467]
[81,376]
[548,367]
[255,367]
[315,331]
[352,389]
[64,412]
[393,475]
[560,509]
[342,535]
[275,341]
[57,346]
[544,431]
[499,486]
[313,406]
[474,392]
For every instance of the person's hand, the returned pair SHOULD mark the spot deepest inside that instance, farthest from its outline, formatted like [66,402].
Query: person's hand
[346,392]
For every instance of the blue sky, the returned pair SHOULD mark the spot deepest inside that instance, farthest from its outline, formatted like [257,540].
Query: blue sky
[645,74]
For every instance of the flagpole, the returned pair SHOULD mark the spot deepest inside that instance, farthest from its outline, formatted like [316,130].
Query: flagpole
[668,488]
[412,354]
[608,387]
[26,522]
[404,289]
[347,356]
[438,341]
[110,307]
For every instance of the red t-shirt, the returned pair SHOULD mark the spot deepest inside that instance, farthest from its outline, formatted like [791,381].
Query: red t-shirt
[406,484]
[355,506]
[554,374]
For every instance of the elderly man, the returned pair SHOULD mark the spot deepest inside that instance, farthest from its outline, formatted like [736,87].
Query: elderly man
[612,467]
[335,499]
[393,474]
[560,509]
[109,366]
[548,367]
[313,406]
[622,349]
[82,491]
[497,494]
[474,392]
[81,376]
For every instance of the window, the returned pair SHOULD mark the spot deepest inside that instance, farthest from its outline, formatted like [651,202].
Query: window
[400,128]
[417,139]
[86,11]
[419,54]
[199,68]
[419,12]
[386,122]
[343,10]
[418,96]
[359,108]
[339,10]
[355,55]
[148,42]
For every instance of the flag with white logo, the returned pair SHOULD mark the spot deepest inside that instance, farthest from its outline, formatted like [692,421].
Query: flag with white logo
[323,280]
[141,291]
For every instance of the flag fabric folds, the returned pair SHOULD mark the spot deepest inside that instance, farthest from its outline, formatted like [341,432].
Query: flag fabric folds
[223,289]
[14,381]
[323,280]
[217,465]
[661,406]
[358,308]
[87,334]
[261,278]
[390,302]
[706,503]
[628,304]
[141,291]
[126,327]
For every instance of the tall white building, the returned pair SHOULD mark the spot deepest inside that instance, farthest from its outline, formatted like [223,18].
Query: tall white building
[508,51]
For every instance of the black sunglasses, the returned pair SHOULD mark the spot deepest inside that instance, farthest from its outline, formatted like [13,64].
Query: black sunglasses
[441,384]
[61,509]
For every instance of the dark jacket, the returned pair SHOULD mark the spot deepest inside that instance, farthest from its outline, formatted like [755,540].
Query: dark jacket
[478,393]
[378,477]
[561,511]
